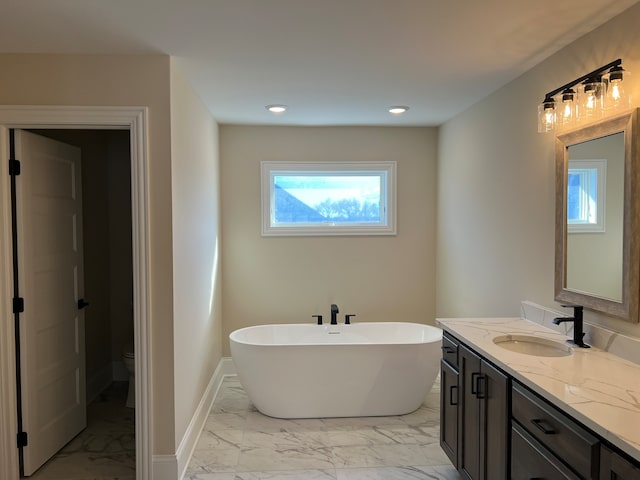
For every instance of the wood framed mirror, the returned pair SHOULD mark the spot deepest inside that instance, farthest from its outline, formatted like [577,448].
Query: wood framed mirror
[597,251]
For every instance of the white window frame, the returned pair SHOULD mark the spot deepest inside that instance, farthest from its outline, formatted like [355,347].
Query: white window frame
[600,166]
[387,226]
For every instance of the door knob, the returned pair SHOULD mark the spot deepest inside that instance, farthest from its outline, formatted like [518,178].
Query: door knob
[82,304]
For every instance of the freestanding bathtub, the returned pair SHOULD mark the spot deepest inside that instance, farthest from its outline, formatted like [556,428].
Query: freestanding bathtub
[357,370]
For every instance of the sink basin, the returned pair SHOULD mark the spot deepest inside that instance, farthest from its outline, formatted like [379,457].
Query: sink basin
[530,345]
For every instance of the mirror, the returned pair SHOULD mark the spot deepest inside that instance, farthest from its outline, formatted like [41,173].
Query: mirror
[597,226]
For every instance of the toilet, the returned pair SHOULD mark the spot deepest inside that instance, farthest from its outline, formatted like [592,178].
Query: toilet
[129,360]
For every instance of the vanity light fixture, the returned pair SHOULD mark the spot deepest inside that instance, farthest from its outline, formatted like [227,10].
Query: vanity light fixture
[584,98]
[276,108]
[398,110]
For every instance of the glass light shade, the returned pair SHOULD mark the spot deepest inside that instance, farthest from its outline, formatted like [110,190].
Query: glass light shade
[568,111]
[547,116]
[617,96]
[592,99]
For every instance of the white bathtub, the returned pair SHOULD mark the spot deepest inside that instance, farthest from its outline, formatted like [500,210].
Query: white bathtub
[357,370]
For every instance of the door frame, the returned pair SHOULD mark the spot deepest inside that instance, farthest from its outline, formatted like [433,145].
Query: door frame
[134,119]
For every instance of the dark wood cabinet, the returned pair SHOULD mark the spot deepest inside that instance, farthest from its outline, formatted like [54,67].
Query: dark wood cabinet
[492,427]
[556,432]
[529,459]
[474,415]
[449,400]
[484,439]
[615,467]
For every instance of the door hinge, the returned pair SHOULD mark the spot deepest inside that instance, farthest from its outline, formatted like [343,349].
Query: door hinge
[23,439]
[18,305]
[14,167]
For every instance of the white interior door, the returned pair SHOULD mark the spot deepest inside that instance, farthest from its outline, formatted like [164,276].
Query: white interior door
[49,214]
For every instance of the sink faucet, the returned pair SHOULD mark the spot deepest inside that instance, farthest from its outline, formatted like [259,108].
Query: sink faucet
[578,332]
[334,314]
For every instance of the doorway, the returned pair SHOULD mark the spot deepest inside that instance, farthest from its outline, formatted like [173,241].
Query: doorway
[134,120]
[107,444]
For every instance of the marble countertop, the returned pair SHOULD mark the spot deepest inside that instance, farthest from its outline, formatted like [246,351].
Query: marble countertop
[597,388]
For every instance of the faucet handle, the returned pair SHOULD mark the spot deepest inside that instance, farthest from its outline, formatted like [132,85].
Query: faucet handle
[319,317]
[347,318]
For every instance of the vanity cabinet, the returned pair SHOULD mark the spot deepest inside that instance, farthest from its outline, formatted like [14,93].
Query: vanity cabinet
[449,399]
[615,467]
[492,427]
[474,417]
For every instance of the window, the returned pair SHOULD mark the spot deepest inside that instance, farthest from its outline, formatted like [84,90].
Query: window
[328,198]
[585,195]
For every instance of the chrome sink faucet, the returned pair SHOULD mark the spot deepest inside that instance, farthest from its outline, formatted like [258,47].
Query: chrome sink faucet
[578,326]
[334,314]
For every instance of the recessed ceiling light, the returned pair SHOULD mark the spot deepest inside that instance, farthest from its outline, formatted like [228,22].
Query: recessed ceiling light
[398,110]
[276,108]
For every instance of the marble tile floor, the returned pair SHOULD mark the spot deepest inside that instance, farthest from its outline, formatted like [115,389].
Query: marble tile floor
[105,450]
[239,443]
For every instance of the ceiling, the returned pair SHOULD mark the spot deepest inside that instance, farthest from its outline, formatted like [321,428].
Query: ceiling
[333,62]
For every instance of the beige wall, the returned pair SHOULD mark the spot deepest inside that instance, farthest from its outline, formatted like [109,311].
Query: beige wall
[496,185]
[288,279]
[120,81]
[197,323]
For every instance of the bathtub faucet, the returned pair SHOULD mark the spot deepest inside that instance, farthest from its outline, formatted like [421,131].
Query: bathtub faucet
[334,314]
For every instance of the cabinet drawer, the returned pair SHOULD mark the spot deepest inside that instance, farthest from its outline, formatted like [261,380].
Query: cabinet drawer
[557,432]
[450,350]
[529,460]
[615,467]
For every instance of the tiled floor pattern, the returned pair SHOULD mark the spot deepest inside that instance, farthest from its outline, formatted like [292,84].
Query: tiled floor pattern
[105,450]
[239,443]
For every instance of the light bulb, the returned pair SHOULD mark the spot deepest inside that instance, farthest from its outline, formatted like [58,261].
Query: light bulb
[615,90]
[592,103]
[569,109]
[548,116]
[398,110]
[276,108]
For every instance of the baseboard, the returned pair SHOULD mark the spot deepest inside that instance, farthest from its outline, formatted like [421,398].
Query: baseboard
[165,467]
[191,436]
[227,367]
[172,467]
[98,382]
[119,371]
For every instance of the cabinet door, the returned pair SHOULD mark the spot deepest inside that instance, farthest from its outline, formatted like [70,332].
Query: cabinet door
[449,401]
[470,373]
[493,392]
[614,467]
